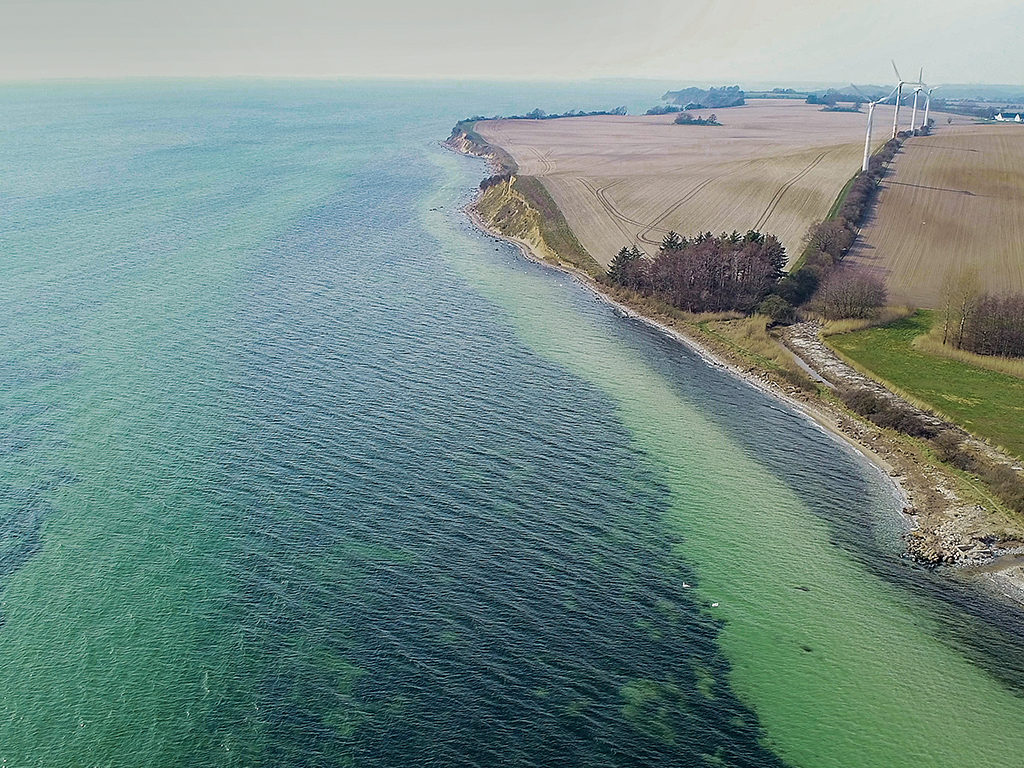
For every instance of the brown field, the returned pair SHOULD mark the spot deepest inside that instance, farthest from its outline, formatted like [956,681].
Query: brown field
[773,165]
[951,199]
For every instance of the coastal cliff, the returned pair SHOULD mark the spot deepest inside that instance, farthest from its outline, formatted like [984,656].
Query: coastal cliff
[504,208]
[520,208]
[466,140]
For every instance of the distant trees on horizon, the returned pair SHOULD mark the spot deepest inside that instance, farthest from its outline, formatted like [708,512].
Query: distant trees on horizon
[540,114]
[712,98]
[664,109]
[685,118]
[834,96]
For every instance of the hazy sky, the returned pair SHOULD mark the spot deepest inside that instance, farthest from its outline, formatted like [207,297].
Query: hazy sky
[719,40]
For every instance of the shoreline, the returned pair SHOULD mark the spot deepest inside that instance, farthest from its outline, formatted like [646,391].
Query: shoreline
[709,356]
[931,511]
[817,416]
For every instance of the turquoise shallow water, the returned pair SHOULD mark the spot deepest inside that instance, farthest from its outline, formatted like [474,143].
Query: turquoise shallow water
[296,468]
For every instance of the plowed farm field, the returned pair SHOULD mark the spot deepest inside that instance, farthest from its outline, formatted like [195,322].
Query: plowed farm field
[950,200]
[773,165]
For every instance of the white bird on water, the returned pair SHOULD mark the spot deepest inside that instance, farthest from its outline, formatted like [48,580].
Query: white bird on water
[714,605]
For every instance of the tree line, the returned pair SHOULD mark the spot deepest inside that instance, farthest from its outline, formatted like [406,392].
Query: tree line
[664,109]
[685,118]
[540,114]
[830,240]
[682,116]
[980,322]
[706,273]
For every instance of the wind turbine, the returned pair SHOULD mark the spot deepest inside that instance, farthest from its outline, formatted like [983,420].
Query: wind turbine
[871,114]
[917,92]
[928,104]
[899,95]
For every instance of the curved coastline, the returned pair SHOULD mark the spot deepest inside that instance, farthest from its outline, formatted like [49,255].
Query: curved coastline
[936,520]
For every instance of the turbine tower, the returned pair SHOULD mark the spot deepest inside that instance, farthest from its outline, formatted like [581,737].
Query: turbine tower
[871,115]
[899,95]
[917,92]
[928,105]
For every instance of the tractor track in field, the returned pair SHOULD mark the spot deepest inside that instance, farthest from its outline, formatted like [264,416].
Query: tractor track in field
[654,226]
[617,216]
[766,214]
[547,165]
[646,228]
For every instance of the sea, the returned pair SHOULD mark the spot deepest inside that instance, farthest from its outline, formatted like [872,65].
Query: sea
[298,468]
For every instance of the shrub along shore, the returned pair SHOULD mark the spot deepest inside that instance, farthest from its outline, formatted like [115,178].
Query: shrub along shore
[939,493]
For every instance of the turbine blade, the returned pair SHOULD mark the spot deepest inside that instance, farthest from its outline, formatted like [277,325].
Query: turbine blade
[920,76]
[898,76]
[858,90]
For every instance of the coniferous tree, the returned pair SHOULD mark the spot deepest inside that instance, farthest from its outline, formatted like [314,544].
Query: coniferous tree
[617,269]
[728,272]
[672,242]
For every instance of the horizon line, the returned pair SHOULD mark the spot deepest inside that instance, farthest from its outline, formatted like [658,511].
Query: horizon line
[411,78]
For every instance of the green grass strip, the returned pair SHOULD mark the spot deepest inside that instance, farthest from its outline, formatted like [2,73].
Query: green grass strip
[986,403]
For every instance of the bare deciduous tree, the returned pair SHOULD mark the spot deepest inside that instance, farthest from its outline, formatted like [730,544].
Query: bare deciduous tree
[832,237]
[997,326]
[707,272]
[961,289]
[850,293]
